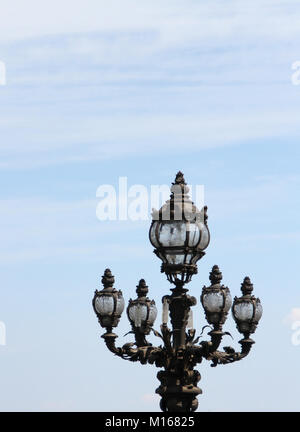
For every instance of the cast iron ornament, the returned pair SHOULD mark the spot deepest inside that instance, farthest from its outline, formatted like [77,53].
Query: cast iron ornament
[180,350]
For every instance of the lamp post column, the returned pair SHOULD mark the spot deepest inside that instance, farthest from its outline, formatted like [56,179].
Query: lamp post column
[180,304]
[178,388]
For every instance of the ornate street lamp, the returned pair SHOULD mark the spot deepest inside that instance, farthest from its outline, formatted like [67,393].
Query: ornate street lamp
[179,234]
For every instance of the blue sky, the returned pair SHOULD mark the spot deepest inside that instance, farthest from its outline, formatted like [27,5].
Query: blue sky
[144,89]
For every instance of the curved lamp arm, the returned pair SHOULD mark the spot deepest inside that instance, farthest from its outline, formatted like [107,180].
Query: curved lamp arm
[145,354]
[209,351]
[229,355]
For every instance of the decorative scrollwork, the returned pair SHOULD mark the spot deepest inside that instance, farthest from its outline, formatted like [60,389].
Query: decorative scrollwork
[179,353]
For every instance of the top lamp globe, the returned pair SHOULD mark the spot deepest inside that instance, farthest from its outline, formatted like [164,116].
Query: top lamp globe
[179,233]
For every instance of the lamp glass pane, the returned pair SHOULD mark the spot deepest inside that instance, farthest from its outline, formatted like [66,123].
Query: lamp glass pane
[194,235]
[152,314]
[204,236]
[228,302]
[120,305]
[104,305]
[243,311]
[213,301]
[175,259]
[258,311]
[153,235]
[138,314]
[172,234]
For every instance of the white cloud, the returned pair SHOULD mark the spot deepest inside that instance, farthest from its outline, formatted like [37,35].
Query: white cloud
[33,18]
[130,77]
[293,316]
[115,136]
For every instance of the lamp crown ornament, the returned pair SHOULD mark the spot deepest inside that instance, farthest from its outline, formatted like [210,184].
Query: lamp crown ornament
[108,279]
[179,234]
[142,288]
[179,179]
[247,286]
[179,187]
[215,276]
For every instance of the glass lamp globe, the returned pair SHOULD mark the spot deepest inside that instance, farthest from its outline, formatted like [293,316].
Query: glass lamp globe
[142,312]
[247,310]
[109,303]
[179,233]
[216,299]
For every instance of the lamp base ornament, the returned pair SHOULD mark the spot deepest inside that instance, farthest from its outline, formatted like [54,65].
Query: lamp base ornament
[178,390]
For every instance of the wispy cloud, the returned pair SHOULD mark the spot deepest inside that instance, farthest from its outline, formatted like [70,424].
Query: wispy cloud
[107,137]
[175,20]
[111,81]
[293,316]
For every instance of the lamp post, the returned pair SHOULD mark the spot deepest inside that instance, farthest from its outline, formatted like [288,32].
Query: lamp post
[179,234]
